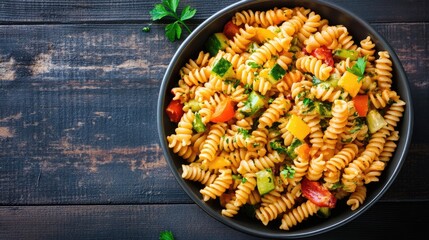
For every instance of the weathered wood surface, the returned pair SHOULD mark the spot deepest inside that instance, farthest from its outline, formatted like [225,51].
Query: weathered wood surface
[64,11]
[78,90]
[78,111]
[187,221]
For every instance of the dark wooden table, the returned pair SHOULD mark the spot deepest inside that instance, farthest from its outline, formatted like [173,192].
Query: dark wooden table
[79,150]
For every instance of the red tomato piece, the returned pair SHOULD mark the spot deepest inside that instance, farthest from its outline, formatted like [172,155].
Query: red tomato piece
[174,110]
[361,104]
[317,193]
[223,112]
[325,54]
[230,29]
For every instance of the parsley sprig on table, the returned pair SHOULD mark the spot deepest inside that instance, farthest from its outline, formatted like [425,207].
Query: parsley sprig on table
[168,8]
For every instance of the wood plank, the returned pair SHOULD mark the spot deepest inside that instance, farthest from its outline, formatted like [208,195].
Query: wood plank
[79,102]
[64,11]
[187,221]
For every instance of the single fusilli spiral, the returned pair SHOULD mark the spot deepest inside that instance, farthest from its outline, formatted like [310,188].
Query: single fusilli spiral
[204,93]
[357,197]
[327,37]
[195,173]
[298,214]
[345,40]
[286,135]
[315,66]
[300,166]
[181,92]
[211,144]
[389,146]
[342,158]
[241,41]
[367,48]
[285,84]
[284,202]
[380,99]
[310,26]
[329,94]
[197,76]
[245,74]
[336,126]
[219,186]
[394,113]
[383,69]
[238,140]
[261,136]
[316,135]
[247,185]
[201,61]
[254,165]
[316,167]
[262,18]
[372,173]
[261,84]
[352,176]
[230,209]
[291,26]
[268,49]
[217,84]
[185,152]
[300,90]
[184,128]
[275,110]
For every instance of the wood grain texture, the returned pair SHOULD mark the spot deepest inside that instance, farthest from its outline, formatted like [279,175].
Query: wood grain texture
[186,221]
[63,11]
[78,101]
[79,149]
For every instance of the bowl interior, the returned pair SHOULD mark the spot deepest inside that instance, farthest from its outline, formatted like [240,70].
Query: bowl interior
[342,214]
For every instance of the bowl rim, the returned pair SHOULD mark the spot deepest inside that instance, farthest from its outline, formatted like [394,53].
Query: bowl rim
[400,153]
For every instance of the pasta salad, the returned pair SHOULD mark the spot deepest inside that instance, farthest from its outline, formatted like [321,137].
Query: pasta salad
[284,112]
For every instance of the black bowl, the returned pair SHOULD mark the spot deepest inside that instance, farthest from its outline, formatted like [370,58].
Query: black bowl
[342,214]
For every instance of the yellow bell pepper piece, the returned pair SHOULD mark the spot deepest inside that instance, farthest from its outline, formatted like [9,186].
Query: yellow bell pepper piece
[350,83]
[263,34]
[218,163]
[298,127]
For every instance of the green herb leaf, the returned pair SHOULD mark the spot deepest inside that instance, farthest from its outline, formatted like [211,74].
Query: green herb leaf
[187,13]
[308,104]
[277,146]
[171,4]
[244,132]
[166,235]
[159,12]
[253,65]
[236,177]
[173,31]
[288,172]
[359,68]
